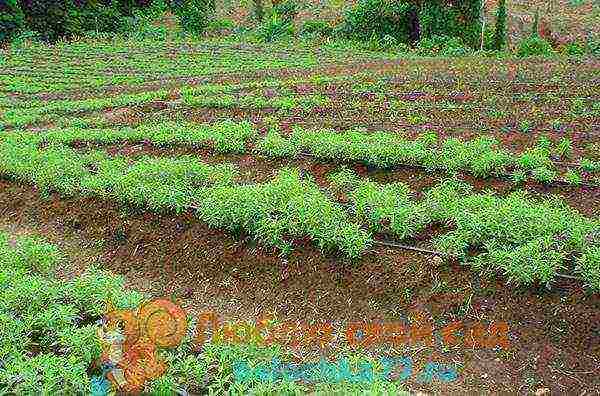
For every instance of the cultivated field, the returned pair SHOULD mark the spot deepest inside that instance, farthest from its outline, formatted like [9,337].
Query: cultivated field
[324,186]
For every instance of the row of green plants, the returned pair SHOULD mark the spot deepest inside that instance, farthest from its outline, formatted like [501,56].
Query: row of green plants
[223,137]
[506,232]
[276,213]
[49,343]
[280,102]
[32,71]
[293,207]
[20,117]
[482,156]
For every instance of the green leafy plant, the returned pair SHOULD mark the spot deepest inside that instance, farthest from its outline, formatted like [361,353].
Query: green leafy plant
[525,126]
[589,165]
[564,148]
[573,177]
[316,28]
[54,20]
[194,15]
[45,345]
[274,29]
[534,46]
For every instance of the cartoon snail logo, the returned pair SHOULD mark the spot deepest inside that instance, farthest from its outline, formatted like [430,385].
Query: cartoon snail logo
[130,340]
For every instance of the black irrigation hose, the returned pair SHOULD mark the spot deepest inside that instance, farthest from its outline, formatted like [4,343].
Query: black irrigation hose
[412,248]
[443,254]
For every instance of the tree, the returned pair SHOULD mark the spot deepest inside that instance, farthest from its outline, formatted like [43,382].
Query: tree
[500,32]
[259,10]
[536,23]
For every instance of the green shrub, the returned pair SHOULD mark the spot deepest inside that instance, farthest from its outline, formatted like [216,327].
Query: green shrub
[378,17]
[575,48]
[442,45]
[12,20]
[194,15]
[589,267]
[45,346]
[534,46]
[317,28]
[573,177]
[286,11]
[220,24]
[275,29]
[462,20]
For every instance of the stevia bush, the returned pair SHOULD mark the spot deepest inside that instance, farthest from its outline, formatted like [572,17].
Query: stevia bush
[384,208]
[588,265]
[274,145]
[481,156]
[507,231]
[223,137]
[156,183]
[379,149]
[276,213]
[512,238]
[12,20]
[45,345]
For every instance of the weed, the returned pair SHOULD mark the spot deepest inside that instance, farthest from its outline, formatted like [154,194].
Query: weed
[573,177]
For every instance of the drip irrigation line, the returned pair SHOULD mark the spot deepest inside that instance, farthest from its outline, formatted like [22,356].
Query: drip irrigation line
[413,248]
[443,254]
[569,277]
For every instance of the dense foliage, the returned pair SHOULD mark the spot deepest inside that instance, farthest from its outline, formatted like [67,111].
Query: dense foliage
[12,19]
[500,32]
[461,19]
[194,15]
[67,18]
[48,336]
[407,21]
[534,46]
[379,18]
